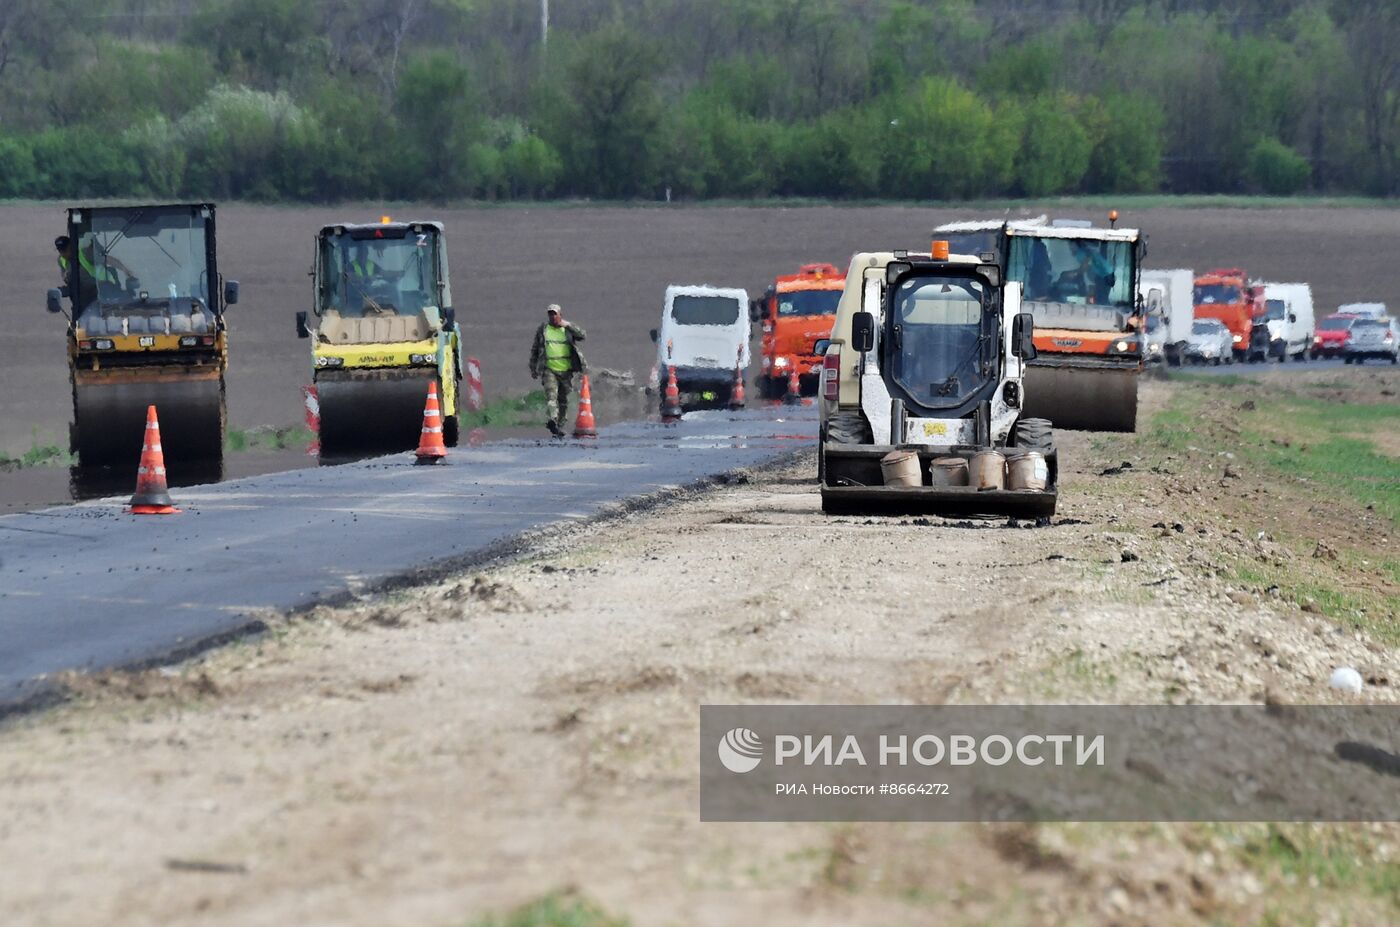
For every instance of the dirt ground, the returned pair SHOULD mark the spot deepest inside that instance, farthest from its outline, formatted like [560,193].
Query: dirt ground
[443,753]
[608,266]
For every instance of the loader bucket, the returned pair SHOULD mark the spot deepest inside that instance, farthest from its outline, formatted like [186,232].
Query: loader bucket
[1083,398]
[852,484]
[372,410]
[109,414]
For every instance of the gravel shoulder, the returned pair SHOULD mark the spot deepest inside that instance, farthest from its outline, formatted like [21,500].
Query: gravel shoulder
[442,753]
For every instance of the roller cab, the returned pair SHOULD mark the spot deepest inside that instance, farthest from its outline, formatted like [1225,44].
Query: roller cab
[383,329]
[922,393]
[146,309]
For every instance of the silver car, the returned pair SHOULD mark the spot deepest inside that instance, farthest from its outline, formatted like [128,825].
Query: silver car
[1210,343]
[1372,338]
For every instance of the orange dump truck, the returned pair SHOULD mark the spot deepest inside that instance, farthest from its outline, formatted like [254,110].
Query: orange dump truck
[1225,294]
[796,311]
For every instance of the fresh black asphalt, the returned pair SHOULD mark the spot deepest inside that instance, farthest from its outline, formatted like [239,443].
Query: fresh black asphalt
[90,587]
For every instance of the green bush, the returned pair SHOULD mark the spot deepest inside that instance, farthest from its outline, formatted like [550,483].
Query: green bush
[1277,169]
[1054,153]
[17,174]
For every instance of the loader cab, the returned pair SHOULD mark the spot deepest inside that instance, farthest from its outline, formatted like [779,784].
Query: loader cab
[940,338]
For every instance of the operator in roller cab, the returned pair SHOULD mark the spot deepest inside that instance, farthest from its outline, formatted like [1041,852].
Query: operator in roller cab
[147,328]
[384,330]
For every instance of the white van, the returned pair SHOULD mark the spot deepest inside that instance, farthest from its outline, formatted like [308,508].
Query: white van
[1288,312]
[1168,296]
[704,336]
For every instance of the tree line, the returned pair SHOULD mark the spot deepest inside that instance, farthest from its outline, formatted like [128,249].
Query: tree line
[325,100]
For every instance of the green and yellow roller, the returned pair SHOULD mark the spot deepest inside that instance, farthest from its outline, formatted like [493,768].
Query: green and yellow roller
[384,328]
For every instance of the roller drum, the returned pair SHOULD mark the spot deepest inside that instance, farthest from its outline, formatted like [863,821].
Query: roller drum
[372,411]
[109,416]
[1083,398]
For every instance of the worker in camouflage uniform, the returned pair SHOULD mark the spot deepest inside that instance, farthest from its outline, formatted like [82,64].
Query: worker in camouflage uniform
[554,360]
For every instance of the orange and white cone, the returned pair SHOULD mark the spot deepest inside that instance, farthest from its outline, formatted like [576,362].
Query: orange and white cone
[794,390]
[152,496]
[737,398]
[585,427]
[671,399]
[431,448]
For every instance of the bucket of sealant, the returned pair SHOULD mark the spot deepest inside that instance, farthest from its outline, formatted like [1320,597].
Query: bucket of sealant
[987,470]
[948,471]
[901,468]
[1027,472]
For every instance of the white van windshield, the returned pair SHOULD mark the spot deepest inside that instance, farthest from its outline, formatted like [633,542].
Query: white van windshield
[704,310]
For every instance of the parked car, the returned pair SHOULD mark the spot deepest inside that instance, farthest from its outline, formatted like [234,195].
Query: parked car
[1331,334]
[1210,343]
[1367,338]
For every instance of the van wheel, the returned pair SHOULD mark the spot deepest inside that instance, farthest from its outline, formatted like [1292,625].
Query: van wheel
[849,428]
[1034,434]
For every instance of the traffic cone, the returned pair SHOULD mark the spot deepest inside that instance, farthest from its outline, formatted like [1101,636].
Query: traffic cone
[671,399]
[586,427]
[152,495]
[736,392]
[431,449]
[794,390]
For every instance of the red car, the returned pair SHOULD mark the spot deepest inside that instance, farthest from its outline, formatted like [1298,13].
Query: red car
[1331,334]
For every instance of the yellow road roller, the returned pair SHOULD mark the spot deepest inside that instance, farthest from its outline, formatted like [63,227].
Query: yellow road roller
[384,328]
[146,328]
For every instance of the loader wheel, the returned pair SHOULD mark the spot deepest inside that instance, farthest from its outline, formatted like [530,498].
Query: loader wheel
[1035,434]
[451,430]
[849,428]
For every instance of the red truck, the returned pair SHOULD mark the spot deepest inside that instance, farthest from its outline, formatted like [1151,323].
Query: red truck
[796,311]
[1226,294]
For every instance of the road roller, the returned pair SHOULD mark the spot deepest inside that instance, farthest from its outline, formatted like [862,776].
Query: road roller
[145,305]
[384,328]
[923,393]
[1080,283]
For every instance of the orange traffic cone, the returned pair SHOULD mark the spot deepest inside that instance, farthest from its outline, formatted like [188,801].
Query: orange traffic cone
[152,495]
[431,449]
[586,427]
[794,390]
[671,399]
[736,392]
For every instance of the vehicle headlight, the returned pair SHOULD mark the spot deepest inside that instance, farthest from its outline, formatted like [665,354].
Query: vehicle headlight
[1154,348]
[98,344]
[188,341]
[1121,346]
[330,361]
[780,362]
[422,358]
[1237,338]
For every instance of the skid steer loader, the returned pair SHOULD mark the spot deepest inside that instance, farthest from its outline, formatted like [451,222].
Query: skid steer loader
[384,329]
[927,357]
[147,328]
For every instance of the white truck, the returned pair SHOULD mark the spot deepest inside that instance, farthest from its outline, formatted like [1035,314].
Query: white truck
[1288,313]
[1167,296]
[704,338]
[926,365]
